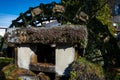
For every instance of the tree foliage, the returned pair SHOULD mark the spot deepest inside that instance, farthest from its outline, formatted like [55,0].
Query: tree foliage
[102,46]
[100,34]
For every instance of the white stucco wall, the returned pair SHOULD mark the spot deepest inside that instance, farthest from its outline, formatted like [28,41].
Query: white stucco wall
[64,57]
[24,54]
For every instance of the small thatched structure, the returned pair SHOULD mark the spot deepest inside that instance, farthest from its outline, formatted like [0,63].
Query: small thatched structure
[47,49]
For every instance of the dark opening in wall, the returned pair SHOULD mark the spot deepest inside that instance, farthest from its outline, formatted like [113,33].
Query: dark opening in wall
[45,54]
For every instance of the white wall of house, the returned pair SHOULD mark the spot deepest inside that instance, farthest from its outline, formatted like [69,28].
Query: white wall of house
[64,57]
[24,55]
[2,32]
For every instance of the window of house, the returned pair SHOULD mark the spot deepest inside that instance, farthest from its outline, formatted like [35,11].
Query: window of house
[45,54]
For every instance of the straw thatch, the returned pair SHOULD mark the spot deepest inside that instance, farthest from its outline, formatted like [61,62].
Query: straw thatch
[65,34]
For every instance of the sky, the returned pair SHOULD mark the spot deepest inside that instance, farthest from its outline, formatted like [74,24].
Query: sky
[10,9]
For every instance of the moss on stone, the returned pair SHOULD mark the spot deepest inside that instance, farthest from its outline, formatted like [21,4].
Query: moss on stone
[85,70]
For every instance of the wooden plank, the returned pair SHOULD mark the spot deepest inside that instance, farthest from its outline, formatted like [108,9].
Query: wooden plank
[44,67]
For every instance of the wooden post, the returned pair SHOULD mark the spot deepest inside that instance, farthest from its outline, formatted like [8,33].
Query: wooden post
[16,54]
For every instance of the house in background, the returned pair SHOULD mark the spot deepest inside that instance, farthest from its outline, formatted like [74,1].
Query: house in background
[115,11]
[116,22]
[2,31]
[50,50]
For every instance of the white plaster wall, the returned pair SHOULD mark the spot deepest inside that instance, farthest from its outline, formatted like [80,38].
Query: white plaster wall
[24,54]
[64,57]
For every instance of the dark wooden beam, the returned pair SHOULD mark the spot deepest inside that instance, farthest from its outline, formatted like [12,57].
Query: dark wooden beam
[44,67]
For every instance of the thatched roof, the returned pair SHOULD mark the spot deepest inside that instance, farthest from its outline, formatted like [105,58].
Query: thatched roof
[65,34]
